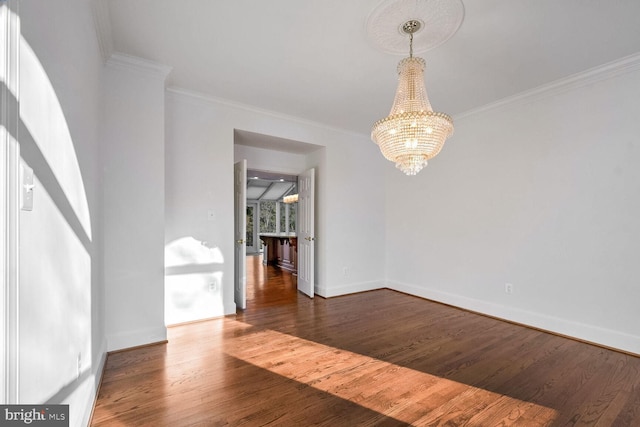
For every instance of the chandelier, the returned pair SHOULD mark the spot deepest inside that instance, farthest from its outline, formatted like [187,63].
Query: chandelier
[412,133]
[292,198]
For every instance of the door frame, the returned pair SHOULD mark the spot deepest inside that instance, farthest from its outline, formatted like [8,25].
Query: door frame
[9,199]
[256,223]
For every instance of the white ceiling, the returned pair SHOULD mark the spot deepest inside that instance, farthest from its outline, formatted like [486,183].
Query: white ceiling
[312,59]
[269,185]
[258,189]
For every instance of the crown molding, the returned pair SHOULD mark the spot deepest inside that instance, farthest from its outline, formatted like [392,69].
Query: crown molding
[211,100]
[102,23]
[591,76]
[112,58]
[594,75]
[139,65]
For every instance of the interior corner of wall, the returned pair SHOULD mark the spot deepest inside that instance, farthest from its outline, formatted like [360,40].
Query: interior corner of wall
[321,291]
[129,339]
[230,308]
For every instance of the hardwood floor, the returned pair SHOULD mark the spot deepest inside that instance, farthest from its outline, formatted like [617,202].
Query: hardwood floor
[268,286]
[378,358]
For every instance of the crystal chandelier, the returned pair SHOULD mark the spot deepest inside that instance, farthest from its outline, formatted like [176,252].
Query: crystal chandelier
[293,198]
[412,133]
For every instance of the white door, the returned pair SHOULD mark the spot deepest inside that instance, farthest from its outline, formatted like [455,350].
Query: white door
[306,236]
[240,233]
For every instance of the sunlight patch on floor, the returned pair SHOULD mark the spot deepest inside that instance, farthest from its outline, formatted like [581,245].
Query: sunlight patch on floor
[402,393]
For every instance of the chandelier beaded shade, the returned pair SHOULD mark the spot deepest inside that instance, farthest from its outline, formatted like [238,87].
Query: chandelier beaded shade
[412,133]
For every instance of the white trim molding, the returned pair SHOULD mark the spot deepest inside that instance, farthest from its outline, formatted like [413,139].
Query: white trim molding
[351,288]
[102,22]
[581,331]
[97,371]
[129,339]
[594,75]
[9,199]
[139,65]
[200,98]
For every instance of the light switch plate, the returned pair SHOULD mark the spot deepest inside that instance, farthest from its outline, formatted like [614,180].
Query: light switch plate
[27,187]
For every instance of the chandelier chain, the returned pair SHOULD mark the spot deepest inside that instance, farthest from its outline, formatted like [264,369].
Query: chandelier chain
[411,27]
[411,44]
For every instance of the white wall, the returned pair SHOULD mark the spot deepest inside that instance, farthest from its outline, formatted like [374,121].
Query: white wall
[352,227]
[199,180]
[61,314]
[541,193]
[133,166]
[350,214]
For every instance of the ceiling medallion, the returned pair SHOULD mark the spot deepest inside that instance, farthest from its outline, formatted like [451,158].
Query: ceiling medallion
[439,20]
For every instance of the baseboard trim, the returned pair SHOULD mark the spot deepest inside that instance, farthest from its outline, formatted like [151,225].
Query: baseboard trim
[205,319]
[137,347]
[352,288]
[131,339]
[594,335]
[102,365]
[229,309]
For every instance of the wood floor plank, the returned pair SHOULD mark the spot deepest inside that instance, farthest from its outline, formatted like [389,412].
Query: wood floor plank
[379,358]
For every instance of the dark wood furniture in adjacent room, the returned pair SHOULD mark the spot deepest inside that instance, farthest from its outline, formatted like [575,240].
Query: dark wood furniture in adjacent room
[281,250]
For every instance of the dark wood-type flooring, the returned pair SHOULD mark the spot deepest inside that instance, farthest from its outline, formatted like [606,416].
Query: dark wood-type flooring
[378,358]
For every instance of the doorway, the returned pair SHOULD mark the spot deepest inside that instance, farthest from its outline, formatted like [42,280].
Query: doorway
[271,228]
[270,234]
[281,156]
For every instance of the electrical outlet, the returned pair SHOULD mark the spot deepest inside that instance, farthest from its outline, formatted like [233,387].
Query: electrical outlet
[345,271]
[26,196]
[508,288]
